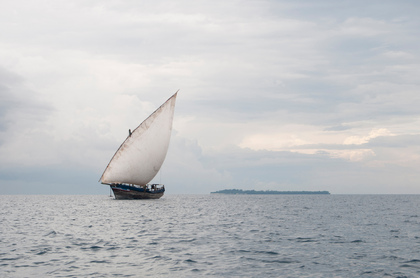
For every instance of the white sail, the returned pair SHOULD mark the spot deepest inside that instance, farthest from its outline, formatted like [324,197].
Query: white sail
[140,156]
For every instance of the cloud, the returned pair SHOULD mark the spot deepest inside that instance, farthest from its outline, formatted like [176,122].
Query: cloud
[358,140]
[273,94]
[363,27]
[235,167]
[186,169]
[20,107]
[400,141]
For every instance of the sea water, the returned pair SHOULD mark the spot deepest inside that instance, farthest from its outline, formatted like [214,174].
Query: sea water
[210,235]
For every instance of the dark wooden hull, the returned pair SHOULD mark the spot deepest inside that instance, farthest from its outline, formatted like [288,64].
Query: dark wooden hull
[126,192]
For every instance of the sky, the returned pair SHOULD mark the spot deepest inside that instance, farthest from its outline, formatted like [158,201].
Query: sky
[274,95]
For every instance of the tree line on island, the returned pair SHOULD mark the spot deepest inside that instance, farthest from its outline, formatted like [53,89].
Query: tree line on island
[240,191]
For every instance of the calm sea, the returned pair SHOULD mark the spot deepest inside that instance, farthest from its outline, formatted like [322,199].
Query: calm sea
[211,235]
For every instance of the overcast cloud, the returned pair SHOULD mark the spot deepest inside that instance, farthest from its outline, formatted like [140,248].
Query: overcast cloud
[279,95]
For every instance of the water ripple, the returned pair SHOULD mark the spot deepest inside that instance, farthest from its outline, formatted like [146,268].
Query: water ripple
[207,235]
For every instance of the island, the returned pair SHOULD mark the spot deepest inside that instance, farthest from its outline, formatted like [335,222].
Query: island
[269,192]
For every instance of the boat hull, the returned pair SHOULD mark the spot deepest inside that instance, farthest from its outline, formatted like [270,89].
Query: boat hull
[125,192]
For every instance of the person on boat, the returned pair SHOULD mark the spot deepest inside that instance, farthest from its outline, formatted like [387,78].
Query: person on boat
[129,132]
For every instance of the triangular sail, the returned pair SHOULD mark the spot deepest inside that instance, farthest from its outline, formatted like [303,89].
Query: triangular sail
[140,156]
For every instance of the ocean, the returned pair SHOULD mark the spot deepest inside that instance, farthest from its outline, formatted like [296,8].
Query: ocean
[210,235]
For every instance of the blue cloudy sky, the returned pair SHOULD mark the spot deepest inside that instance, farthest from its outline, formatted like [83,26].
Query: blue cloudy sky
[274,95]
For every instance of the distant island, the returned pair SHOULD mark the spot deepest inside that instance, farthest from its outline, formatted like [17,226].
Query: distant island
[269,192]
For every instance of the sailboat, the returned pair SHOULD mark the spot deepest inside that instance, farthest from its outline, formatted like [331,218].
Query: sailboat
[140,156]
